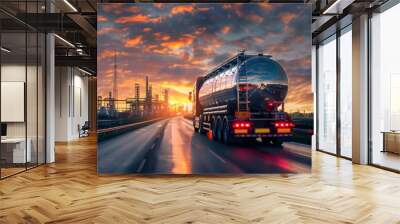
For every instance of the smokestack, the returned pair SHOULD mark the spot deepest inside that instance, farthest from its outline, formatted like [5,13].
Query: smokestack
[137,96]
[137,91]
[110,102]
[150,99]
[166,95]
[115,79]
[147,87]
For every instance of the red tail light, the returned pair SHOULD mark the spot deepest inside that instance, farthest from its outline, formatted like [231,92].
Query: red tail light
[284,124]
[241,124]
[270,105]
[243,89]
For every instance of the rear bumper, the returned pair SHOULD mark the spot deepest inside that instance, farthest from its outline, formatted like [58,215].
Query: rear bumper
[263,135]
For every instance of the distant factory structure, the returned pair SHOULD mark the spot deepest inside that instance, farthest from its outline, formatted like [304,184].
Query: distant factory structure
[112,107]
[147,106]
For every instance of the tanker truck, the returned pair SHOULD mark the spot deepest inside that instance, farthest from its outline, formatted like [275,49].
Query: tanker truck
[243,99]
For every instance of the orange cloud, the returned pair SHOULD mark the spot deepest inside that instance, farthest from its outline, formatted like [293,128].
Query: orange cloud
[112,7]
[133,41]
[258,40]
[102,19]
[137,19]
[182,9]
[287,17]
[255,18]
[200,30]
[237,9]
[203,9]
[160,36]
[159,5]
[266,6]
[134,9]
[105,30]
[294,101]
[160,50]
[146,29]
[110,53]
[226,29]
[183,41]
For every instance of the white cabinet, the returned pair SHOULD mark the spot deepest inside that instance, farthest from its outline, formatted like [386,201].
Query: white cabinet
[19,154]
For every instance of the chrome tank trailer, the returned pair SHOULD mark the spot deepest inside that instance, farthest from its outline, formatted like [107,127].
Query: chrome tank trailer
[263,78]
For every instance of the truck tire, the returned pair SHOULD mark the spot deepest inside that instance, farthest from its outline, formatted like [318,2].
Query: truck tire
[201,129]
[227,136]
[219,130]
[214,128]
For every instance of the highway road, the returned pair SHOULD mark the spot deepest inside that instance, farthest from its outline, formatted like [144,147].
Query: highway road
[172,147]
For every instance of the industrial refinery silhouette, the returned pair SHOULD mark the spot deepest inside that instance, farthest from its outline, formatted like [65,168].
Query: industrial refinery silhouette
[112,111]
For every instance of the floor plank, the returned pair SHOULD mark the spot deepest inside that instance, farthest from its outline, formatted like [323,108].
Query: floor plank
[70,191]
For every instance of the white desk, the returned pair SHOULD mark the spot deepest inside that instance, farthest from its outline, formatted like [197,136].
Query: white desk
[19,152]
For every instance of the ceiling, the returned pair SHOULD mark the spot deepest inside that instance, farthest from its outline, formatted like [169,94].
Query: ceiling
[73,21]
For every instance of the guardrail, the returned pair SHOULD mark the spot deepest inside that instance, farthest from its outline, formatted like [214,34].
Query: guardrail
[103,134]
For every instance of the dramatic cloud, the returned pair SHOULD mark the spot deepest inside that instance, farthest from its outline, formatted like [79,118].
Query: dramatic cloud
[226,29]
[102,19]
[137,19]
[108,53]
[133,41]
[287,17]
[183,41]
[173,44]
[182,9]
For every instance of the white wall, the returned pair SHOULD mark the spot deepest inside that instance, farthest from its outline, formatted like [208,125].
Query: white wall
[33,126]
[16,73]
[12,73]
[71,102]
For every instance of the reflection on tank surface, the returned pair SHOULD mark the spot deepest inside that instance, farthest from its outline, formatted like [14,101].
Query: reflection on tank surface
[263,78]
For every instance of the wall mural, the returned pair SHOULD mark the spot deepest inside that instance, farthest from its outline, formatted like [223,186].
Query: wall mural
[204,88]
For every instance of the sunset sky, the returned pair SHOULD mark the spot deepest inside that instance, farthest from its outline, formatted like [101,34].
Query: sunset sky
[175,43]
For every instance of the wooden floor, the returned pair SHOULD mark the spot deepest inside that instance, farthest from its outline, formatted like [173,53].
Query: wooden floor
[70,191]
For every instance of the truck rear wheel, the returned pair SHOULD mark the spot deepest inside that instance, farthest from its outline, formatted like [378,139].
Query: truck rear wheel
[219,130]
[214,128]
[227,136]
[201,126]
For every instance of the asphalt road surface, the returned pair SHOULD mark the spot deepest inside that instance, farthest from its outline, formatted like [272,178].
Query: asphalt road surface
[172,147]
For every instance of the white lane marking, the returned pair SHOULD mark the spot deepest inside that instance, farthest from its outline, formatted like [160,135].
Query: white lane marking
[187,121]
[216,155]
[188,125]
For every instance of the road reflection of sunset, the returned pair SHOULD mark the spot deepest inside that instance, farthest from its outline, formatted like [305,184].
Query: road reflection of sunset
[181,158]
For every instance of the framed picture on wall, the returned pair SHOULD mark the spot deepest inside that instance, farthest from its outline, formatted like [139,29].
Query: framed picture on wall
[195,88]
